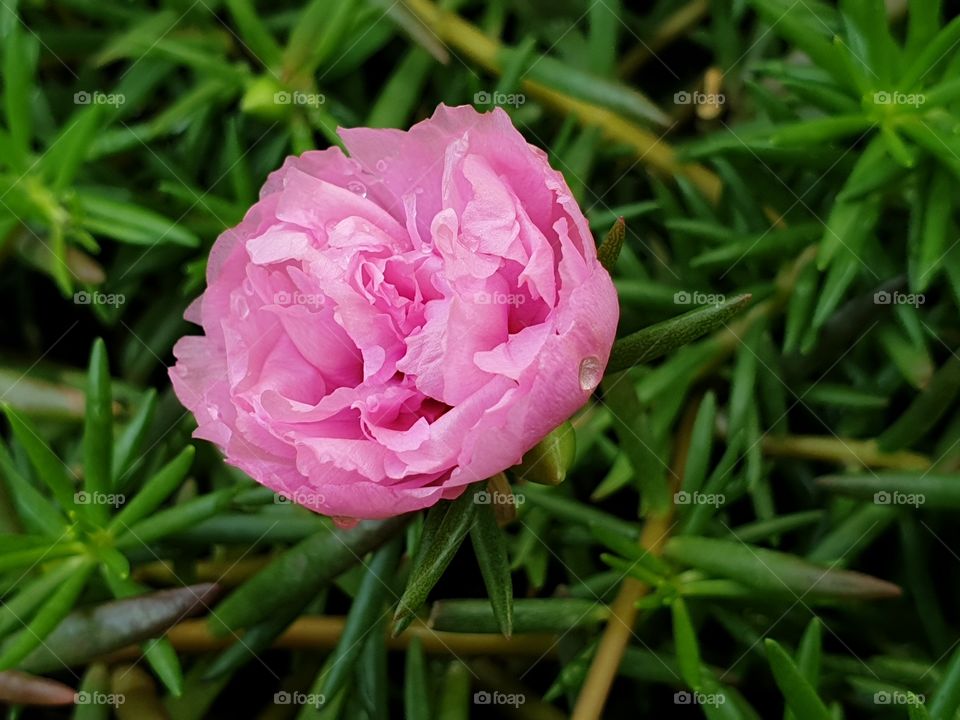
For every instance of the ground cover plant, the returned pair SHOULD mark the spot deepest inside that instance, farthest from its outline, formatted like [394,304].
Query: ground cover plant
[752,515]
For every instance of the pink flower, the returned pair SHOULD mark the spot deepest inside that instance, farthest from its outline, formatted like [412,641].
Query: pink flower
[383,329]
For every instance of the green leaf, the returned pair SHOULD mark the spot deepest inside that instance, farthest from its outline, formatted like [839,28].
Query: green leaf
[701,444]
[685,642]
[530,615]
[454,701]
[926,409]
[446,527]
[800,695]
[615,96]
[95,680]
[935,228]
[53,610]
[821,130]
[173,519]
[932,54]
[32,593]
[49,468]
[37,513]
[768,244]
[920,489]
[870,40]
[295,577]
[799,26]
[130,223]
[631,422]
[20,53]
[416,692]
[923,21]
[490,548]
[365,612]
[765,529]
[808,657]
[131,439]
[320,29]
[154,491]
[775,572]
[660,339]
[609,249]
[254,32]
[946,699]
[98,431]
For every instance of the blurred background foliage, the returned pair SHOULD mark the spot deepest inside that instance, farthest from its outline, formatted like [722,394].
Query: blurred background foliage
[759,523]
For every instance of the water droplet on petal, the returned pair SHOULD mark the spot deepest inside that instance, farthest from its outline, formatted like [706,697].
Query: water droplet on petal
[418,191]
[357,187]
[591,372]
[382,165]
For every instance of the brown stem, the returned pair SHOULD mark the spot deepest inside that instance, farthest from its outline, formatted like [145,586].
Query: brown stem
[324,632]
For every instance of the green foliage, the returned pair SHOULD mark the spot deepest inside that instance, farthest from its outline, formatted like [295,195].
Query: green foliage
[766,477]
